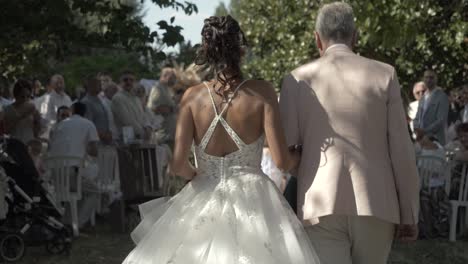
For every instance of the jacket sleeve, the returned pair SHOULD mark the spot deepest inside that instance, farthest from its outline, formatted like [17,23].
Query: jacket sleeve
[288,110]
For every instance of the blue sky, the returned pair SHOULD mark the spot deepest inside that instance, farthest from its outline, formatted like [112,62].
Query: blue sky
[192,24]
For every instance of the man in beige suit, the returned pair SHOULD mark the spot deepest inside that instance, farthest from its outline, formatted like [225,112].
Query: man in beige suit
[357,181]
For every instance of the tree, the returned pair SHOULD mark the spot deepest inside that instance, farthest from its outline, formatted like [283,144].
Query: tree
[185,56]
[35,32]
[78,68]
[221,10]
[411,35]
[232,9]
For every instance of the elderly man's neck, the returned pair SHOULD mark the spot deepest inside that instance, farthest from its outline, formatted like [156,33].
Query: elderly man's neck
[329,44]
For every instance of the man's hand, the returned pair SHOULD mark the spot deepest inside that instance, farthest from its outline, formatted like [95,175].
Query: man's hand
[407,233]
[419,133]
[296,153]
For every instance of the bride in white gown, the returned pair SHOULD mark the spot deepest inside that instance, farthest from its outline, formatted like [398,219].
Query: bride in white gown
[229,212]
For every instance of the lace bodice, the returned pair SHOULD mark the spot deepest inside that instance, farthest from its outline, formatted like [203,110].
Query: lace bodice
[246,159]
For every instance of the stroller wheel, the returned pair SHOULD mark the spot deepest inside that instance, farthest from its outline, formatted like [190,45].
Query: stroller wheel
[58,245]
[12,247]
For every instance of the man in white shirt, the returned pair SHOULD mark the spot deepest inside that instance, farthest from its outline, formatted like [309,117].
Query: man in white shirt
[53,100]
[419,89]
[77,136]
[127,109]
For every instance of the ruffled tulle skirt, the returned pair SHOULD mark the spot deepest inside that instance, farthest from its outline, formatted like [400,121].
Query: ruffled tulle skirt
[242,219]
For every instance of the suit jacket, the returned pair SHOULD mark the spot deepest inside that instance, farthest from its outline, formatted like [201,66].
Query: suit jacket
[433,121]
[357,159]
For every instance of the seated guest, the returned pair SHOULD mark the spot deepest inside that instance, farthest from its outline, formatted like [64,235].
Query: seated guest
[76,136]
[127,109]
[459,147]
[429,146]
[434,202]
[456,100]
[63,112]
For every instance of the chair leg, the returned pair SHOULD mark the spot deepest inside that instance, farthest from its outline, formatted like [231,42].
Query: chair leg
[453,223]
[465,227]
[93,218]
[99,204]
[74,215]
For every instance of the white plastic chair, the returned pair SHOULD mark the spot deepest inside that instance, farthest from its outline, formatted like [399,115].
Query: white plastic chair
[433,168]
[461,201]
[66,179]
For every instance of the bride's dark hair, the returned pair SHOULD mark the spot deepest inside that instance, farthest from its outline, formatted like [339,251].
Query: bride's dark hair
[221,49]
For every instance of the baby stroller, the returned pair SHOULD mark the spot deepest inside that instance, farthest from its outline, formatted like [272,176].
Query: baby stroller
[12,246]
[32,212]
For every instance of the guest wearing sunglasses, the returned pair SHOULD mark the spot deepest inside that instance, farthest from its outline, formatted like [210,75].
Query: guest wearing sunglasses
[126,108]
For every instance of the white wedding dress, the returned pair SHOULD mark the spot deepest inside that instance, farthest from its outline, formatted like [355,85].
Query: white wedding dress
[230,213]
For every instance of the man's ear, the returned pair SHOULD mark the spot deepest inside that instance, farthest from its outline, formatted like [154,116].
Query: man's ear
[318,41]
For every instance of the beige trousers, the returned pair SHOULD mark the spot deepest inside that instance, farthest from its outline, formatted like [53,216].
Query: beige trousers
[352,239]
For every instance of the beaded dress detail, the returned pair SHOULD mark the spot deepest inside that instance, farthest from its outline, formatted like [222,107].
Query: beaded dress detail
[230,213]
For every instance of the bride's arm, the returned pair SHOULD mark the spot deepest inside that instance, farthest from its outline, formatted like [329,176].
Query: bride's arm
[180,164]
[283,158]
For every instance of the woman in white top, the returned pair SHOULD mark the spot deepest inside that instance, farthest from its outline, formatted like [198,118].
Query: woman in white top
[22,120]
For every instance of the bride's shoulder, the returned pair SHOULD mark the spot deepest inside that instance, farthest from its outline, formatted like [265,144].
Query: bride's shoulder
[193,93]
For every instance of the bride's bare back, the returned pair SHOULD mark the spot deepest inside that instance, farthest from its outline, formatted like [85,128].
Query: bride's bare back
[252,112]
[244,114]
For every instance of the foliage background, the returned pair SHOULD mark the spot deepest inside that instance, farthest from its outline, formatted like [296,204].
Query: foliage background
[40,37]
[411,35]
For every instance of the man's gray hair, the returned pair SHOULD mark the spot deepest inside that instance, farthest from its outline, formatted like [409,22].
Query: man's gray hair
[335,22]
